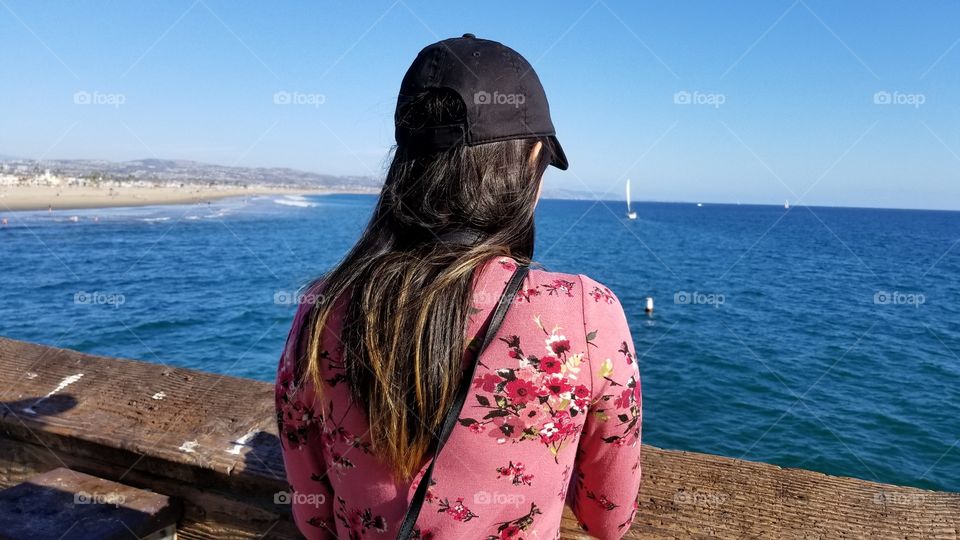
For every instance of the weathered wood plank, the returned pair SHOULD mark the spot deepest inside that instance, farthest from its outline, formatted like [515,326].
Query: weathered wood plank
[67,504]
[211,441]
[206,514]
[184,433]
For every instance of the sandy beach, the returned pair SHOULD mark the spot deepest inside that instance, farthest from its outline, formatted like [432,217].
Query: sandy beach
[14,198]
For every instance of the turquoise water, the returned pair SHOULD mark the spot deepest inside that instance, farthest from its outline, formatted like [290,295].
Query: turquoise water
[821,338]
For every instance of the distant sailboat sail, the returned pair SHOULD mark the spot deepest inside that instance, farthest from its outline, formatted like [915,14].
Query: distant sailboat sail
[786,205]
[630,213]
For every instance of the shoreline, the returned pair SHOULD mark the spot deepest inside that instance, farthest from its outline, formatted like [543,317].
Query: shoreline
[32,198]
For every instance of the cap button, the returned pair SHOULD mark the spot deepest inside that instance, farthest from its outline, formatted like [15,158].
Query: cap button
[469,36]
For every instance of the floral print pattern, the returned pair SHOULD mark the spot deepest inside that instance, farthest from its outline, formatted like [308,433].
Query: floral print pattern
[457,510]
[535,400]
[556,395]
[516,473]
[357,522]
[515,528]
[602,294]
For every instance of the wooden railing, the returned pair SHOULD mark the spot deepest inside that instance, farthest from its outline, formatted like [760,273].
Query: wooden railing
[210,442]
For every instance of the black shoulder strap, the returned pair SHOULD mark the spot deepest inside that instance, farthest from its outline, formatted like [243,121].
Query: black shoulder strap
[500,312]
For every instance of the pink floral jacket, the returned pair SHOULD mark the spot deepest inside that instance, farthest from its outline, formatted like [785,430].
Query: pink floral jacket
[553,417]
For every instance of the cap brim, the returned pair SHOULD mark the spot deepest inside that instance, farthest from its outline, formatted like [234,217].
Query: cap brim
[559,157]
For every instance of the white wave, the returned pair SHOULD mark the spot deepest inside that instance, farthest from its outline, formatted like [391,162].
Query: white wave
[295,202]
[153,219]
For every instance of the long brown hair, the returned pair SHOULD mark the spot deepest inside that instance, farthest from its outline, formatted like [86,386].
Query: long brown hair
[409,292]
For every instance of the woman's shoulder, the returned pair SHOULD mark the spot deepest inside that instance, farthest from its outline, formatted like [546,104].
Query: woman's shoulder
[545,289]
[581,286]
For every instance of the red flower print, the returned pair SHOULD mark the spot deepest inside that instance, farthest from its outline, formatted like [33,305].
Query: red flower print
[526,294]
[550,364]
[521,391]
[557,385]
[625,351]
[562,418]
[548,433]
[623,402]
[581,397]
[560,286]
[558,344]
[629,396]
[604,294]
[540,400]
[507,264]
[487,381]
[515,528]
[515,471]
[357,520]
[457,511]
[559,428]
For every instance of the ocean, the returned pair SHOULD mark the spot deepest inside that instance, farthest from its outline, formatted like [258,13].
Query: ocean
[820,338]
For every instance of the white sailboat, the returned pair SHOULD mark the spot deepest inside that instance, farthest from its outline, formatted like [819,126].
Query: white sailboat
[630,213]
[786,205]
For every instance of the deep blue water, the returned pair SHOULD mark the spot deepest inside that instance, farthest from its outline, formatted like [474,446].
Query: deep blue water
[822,338]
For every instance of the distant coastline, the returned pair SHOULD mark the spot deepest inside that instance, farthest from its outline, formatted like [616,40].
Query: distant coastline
[21,198]
[78,184]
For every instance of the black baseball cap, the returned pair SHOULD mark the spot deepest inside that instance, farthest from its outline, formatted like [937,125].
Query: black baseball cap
[502,96]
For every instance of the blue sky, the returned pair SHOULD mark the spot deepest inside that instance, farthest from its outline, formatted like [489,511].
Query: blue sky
[783,93]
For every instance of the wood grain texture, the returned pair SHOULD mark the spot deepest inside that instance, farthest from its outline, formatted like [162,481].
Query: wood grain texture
[66,503]
[210,441]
